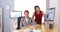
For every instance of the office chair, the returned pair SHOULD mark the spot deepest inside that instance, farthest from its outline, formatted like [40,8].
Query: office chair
[18,22]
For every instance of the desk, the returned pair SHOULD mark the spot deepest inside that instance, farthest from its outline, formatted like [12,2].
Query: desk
[43,28]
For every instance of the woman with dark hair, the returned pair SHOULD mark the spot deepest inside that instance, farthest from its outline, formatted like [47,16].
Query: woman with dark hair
[38,14]
[26,20]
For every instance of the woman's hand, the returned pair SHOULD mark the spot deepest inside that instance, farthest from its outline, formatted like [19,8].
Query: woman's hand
[44,23]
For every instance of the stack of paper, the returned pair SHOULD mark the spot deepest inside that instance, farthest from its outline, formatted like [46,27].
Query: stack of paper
[32,30]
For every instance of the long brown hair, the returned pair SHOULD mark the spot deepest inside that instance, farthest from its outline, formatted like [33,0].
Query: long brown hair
[36,7]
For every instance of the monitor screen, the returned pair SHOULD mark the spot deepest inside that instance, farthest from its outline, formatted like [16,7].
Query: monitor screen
[15,14]
[50,14]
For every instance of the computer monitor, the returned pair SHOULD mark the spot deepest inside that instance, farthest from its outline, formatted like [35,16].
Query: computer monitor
[15,14]
[50,14]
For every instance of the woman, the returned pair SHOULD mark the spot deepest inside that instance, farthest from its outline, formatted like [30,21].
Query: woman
[26,20]
[38,14]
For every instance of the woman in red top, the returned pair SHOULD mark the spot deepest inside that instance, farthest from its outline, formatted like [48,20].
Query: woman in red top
[38,14]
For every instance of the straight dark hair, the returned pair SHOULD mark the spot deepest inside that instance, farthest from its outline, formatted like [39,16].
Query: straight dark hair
[36,7]
[26,11]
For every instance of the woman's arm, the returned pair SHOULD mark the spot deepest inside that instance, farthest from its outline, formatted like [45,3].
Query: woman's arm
[33,15]
[21,23]
[43,16]
[32,22]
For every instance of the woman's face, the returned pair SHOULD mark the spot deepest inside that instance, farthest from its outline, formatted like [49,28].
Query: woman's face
[26,14]
[37,9]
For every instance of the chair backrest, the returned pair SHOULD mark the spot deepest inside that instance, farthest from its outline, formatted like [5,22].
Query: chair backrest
[18,22]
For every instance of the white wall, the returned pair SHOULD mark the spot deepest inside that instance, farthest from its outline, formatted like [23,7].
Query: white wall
[54,3]
[22,5]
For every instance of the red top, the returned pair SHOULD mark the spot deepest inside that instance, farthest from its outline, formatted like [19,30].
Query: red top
[38,17]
